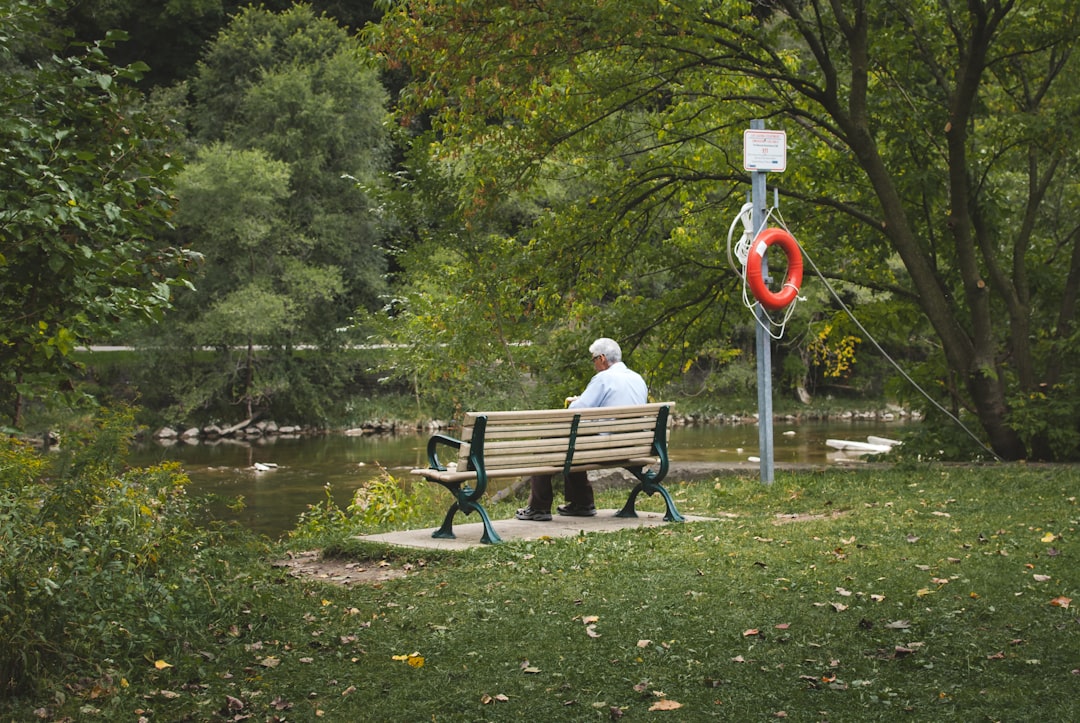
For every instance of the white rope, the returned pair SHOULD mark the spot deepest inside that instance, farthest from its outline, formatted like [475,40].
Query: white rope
[742,252]
[742,248]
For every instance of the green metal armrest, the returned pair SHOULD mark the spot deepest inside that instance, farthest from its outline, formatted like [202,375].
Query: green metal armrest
[432,449]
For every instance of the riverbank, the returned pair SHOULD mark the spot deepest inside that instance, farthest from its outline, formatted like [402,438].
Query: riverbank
[253,430]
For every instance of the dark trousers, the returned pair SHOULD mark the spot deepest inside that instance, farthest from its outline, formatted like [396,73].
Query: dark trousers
[578,491]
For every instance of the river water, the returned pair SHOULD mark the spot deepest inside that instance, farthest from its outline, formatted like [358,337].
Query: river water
[304,466]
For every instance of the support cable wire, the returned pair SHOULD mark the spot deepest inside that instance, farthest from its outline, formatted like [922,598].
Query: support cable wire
[877,346]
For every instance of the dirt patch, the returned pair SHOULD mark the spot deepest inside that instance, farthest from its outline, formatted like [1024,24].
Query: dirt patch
[788,518]
[310,564]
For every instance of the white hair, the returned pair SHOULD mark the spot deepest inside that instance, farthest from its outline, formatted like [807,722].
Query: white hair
[607,347]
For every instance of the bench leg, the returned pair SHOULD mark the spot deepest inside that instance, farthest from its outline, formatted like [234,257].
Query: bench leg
[672,514]
[446,532]
[490,537]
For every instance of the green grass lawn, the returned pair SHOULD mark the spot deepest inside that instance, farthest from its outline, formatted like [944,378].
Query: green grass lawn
[929,594]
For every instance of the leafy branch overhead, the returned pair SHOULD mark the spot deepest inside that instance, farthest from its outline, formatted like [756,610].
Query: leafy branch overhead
[930,149]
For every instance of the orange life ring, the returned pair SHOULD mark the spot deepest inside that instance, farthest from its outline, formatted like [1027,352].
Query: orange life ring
[774,301]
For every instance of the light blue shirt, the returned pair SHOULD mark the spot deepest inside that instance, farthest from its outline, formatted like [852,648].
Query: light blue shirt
[616,386]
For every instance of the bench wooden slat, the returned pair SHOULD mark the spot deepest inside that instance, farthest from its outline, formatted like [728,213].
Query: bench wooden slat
[450,476]
[549,443]
[594,426]
[587,413]
[497,467]
[492,437]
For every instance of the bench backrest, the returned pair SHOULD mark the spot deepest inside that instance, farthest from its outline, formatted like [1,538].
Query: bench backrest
[542,437]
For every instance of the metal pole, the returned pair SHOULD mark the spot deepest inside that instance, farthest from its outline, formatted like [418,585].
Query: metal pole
[762,341]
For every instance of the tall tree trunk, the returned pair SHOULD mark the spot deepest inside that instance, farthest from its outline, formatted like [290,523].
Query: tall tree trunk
[970,350]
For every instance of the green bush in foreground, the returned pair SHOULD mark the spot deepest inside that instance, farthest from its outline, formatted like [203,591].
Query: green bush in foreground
[101,568]
[929,594]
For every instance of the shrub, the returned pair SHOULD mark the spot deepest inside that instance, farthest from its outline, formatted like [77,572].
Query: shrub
[98,564]
[385,502]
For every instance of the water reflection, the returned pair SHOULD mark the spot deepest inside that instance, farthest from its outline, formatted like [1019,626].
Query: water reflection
[304,466]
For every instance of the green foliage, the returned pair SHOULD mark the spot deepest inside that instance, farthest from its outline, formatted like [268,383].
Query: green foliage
[84,186]
[387,500]
[615,137]
[383,503]
[287,117]
[319,519]
[1049,417]
[170,36]
[100,566]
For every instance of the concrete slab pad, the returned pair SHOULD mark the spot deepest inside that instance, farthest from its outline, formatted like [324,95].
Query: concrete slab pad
[469,533]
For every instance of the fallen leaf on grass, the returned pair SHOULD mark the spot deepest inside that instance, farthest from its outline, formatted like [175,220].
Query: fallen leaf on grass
[751,632]
[589,619]
[1040,578]
[898,625]
[416,660]
[1048,537]
[162,665]
[1061,602]
[782,626]
[590,630]
[644,643]
[665,704]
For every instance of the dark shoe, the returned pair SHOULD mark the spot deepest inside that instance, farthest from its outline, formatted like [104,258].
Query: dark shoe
[528,513]
[573,510]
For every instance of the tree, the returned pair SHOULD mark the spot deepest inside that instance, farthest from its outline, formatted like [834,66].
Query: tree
[84,193]
[287,116]
[930,144]
[169,36]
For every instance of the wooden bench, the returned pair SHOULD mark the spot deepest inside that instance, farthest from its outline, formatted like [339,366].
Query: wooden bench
[551,441]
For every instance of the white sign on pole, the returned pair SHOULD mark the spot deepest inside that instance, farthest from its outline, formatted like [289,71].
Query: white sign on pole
[764,150]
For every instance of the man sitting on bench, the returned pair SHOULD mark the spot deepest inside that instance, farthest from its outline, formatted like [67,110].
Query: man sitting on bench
[613,385]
